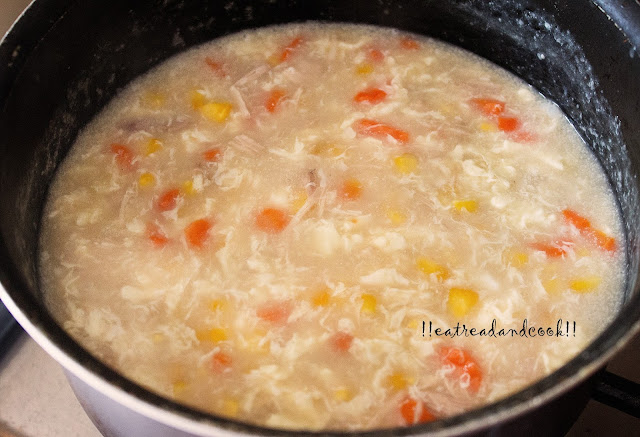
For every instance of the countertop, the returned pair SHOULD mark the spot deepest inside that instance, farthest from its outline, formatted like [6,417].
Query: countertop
[36,400]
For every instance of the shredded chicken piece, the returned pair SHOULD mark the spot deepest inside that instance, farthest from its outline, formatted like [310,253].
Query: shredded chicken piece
[247,144]
[252,75]
[241,105]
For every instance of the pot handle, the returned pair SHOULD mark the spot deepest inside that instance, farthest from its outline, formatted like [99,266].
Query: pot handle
[618,392]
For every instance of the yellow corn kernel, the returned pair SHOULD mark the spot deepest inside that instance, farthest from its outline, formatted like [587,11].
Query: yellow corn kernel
[146,180]
[179,387]
[343,395]
[399,381]
[215,335]
[198,99]
[326,149]
[428,267]
[369,303]
[413,324]
[552,286]
[216,111]
[582,252]
[299,200]
[153,146]
[461,301]
[447,109]
[274,60]
[154,100]
[255,343]
[230,407]
[586,284]
[488,127]
[321,298]
[467,205]
[518,259]
[187,187]
[405,163]
[157,338]
[396,217]
[217,304]
[364,69]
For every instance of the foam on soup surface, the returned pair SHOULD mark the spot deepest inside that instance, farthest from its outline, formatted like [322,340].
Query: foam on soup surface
[259,228]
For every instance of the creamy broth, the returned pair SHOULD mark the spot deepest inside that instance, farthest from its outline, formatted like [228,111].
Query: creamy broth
[263,226]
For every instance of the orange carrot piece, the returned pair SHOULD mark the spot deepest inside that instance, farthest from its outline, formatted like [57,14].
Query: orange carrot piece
[508,124]
[276,313]
[212,155]
[488,106]
[370,95]
[273,101]
[168,200]
[272,220]
[341,341]
[583,224]
[576,219]
[221,361]
[375,55]
[464,364]
[216,67]
[551,250]
[197,232]
[414,412]
[409,44]
[124,156]
[351,189]
[155,235]
[289,49]
[377,129]
[604,241]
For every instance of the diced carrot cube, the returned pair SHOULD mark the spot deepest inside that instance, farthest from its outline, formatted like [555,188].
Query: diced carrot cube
[290,48]
[221,361]
[465,365]
[155,235]
[168,200]
[551,250]
[197,232]
[274,99]
[370,95]
[380,130]
[351,189]
[488,106]
[375,55]
[276,313]
[576,219]
[409,44]
[212,155]
[124,156]
[272,220]
[216,67]
[341,341]
[508,124]
[604,241]
[414,412]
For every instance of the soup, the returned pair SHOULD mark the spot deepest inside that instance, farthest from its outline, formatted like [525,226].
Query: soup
[331,227]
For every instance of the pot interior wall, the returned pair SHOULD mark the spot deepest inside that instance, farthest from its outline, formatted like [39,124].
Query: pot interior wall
[65,60]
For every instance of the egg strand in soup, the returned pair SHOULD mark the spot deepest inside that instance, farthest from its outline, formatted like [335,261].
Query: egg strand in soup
[279,227]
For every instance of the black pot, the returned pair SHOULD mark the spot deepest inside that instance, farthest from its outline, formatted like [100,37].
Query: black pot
[64,60]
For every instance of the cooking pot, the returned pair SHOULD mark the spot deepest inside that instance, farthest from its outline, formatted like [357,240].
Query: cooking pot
[64,60]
